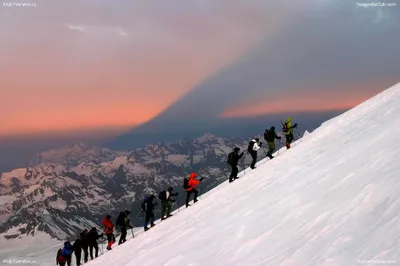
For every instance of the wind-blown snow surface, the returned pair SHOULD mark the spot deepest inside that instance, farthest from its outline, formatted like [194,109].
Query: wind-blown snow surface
[333,199]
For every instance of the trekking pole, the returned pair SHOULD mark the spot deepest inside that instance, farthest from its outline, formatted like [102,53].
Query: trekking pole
[279,149]
[137,214]
[226,174]
[244,166]
[179,205]
[266,155]
[200,189]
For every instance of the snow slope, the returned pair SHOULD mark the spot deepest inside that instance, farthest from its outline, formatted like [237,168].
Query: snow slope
[333,199]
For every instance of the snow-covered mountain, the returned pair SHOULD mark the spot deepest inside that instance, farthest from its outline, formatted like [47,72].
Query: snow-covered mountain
[76,154]
[74,187]
[332,199]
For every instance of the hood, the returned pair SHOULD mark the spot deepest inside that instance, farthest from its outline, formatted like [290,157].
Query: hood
[192,175]
[288,119]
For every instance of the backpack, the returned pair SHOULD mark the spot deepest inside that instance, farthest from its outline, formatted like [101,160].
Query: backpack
[266,135]
[162,195]
[60,258]
[285,128]
[230,158]
[120,220]
[67,250]
[186,183]
[250,147]
[270,134]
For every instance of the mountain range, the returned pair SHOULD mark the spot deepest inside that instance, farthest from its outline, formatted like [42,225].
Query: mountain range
[67,189]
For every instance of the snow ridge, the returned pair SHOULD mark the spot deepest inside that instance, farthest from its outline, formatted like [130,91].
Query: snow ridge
[332,199]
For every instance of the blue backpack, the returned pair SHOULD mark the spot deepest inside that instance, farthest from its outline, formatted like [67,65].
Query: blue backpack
[67,250]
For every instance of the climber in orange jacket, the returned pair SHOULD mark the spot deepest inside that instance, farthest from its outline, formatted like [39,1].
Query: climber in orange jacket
[190,188]
[108,230]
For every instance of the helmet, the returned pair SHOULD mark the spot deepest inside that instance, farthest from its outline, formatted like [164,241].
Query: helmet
[236,149]
[272,128]
[170,189]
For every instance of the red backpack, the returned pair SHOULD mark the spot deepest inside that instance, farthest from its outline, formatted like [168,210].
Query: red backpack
[60,257]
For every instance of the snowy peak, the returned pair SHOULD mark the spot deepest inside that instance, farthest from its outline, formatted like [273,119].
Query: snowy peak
[207,138]
[74,155]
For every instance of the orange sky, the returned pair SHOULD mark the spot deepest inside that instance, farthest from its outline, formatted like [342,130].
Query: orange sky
[68,74]
[67,66]
[316,99]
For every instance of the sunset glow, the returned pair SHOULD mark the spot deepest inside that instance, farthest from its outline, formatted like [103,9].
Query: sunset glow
[69,76]
[335,99]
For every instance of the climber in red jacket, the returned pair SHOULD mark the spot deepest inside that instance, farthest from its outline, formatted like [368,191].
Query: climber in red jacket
[108,230]
[192,183]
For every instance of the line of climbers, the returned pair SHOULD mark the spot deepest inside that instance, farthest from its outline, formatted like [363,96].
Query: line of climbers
[88,240]
[255,144]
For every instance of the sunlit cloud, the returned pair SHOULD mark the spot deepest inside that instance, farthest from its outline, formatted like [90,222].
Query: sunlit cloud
[98,29]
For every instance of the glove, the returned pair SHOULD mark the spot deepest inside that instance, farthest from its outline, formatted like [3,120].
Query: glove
[130,226]
[279,137]
[242,154]
[295,125]
[201,179]
[173,200]
[260,143]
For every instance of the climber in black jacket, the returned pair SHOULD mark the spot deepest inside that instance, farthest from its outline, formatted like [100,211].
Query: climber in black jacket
[270,136]
[233,160]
